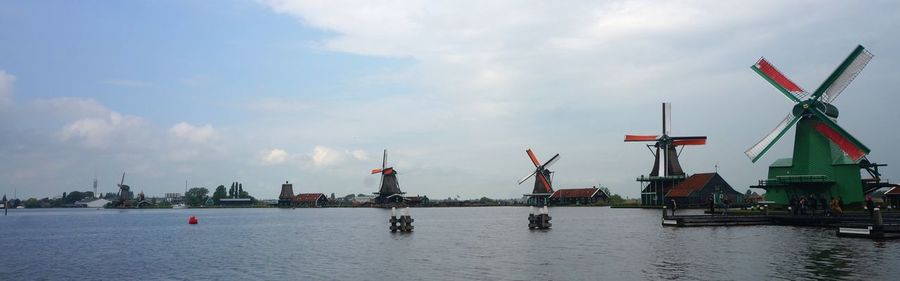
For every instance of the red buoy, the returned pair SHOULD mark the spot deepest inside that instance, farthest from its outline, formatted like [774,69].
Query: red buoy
[192,220]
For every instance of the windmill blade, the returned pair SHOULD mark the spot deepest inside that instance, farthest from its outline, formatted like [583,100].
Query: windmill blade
[551,161]
[781,82]
[533,158]
[843,75]
[667,118]
[123,178]
[839,136]
[760,148]
[689,138]
[543,179]
[375,171]
[695,141]
[384,160]
[528,177]
[634,138]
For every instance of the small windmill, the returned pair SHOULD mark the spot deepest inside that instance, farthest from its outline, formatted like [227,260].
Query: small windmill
[543,182]
[389,191]
[124,193]
[826,158]
[666,156]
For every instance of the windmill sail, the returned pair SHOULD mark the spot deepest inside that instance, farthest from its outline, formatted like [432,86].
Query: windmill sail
[844,74]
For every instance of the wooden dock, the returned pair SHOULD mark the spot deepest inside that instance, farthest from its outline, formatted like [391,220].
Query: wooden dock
[852,225]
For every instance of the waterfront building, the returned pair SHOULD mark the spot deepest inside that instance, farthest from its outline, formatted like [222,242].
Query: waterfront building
[567,196]
[235,202]
[695,191]
[416,200]
[892,197]
[311,200]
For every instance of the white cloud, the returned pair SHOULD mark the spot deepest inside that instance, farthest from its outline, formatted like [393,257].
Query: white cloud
[193,133]
[6,87]
[70,107]
[103,131]
[360,154]
[275,156]
[323,156]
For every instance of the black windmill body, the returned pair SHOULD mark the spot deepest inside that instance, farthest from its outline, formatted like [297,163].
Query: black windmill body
[665,153]
[124,193]
[389,189]
[543,179]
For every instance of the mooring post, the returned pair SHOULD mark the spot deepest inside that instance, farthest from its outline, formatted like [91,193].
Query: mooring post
[765,208]
[393,220]
[664,212]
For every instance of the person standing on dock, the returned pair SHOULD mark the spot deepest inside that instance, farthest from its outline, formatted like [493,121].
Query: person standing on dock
[836,207]
[673,206]
[813,204]
[841,204]
[725,205]
[870,206]
[792,205]
[712,204]
[826,211]
[803,205]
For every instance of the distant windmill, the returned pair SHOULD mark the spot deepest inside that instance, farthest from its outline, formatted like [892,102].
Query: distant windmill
[543,189]
[124,191]
[389,190]
[826,158]
[665,156]
[543,182]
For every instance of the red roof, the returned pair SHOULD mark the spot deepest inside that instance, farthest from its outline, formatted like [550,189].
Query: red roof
[574,193]
[689,185]
[309,197]
[893,191]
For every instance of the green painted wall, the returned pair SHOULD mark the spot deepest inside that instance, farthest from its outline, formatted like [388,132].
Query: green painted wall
[816,155]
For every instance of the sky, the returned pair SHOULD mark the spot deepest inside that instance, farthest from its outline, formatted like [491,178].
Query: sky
[203,93]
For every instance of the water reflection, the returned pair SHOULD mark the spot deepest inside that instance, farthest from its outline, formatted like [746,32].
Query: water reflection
[447,244]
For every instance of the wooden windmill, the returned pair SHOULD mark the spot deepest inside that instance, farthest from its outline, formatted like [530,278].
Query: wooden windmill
[389,190]
[543,182]
[124,195]
[665,153]
[826,158]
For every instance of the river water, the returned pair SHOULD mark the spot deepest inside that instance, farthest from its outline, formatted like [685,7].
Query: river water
[491,243]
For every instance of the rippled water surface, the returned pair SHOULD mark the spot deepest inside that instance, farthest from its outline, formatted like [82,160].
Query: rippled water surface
[448,243]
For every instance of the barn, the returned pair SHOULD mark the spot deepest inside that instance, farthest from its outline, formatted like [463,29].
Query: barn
[578,196]
[311,200]
[694,191]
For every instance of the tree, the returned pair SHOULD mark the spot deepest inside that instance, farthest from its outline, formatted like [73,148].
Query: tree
[219,194]
[196,196]
[74,196]
[32,203]
[240,190]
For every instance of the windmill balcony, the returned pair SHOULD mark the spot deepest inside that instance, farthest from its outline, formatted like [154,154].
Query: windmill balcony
[795,180]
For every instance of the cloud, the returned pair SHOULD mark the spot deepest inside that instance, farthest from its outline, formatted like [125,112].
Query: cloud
[323,156]
[102,132]
[275,156]
[70,107]
[193,133]
[360,154]
[6,88]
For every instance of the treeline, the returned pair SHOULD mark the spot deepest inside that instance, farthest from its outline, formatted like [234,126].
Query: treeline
[68,199]
[198,196]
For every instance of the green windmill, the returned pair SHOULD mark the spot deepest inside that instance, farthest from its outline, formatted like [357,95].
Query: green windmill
[826,158]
